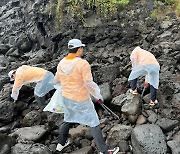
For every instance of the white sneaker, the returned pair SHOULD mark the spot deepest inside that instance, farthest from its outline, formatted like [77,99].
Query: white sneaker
[112,151]
[153,103]
[61,147]
[134,92]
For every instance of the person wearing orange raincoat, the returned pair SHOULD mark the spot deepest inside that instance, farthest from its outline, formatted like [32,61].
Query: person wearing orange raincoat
[74,76]
[28,74]
[145,64]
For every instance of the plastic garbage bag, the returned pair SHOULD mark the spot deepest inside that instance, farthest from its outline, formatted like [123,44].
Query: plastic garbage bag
[56,103]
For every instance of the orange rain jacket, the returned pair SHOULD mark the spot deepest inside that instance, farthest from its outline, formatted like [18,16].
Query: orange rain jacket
[24,75]
[141,57]
[74,75]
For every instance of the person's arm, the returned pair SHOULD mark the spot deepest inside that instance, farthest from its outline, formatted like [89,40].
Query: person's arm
[57,78]
[57,81]
[91,86]
[16,87]
[134,59]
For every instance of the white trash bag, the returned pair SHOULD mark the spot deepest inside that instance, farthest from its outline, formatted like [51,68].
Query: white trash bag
[56,103]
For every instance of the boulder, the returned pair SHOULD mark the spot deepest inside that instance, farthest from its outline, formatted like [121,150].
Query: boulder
[148,139]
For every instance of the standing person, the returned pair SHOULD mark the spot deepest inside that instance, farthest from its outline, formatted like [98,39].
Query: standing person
[145,64]
[28,74]
[74,75]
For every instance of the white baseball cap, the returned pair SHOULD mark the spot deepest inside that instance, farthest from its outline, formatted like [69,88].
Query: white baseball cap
[10,75]
[75,43]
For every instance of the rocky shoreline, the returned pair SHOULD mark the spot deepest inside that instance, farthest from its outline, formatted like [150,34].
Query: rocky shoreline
[27,36]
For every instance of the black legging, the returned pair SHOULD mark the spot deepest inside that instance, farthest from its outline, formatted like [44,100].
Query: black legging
[95,131]
[41,101]
[153,91]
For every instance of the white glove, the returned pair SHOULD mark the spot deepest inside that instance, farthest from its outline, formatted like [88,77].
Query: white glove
[14,97]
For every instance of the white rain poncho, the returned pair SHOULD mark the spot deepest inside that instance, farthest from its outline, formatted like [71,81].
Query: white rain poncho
[44,86]
[77,84]
[82,113]
[56,103]
[150,71]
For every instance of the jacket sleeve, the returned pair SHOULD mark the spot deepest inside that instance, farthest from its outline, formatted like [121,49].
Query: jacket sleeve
[57,78]
[91,86]
[16,87]
[134,59]
[57,81]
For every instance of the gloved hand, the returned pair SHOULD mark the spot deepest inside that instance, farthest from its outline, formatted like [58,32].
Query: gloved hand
[12,99]
[99,101]
[146,84]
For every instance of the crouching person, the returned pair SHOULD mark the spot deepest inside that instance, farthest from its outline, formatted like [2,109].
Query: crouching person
[145,64]
[28,74]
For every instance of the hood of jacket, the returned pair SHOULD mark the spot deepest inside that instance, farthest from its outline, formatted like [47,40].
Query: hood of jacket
[68,65]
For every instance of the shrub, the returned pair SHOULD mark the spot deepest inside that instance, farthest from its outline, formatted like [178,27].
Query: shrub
[78,8]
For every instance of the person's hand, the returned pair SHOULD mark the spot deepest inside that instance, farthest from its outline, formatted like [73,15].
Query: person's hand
[99,101]
[12,99]
[146,84]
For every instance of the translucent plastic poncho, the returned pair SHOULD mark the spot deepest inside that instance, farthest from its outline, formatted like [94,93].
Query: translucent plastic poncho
[76,80]
[44,86]
[82,113]
[77,85]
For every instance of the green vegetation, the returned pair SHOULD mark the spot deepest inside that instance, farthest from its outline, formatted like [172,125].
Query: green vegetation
[59,12]
[175,5]
[50,8]
[164,7]
[154,14]
[78,9]
[106,9]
